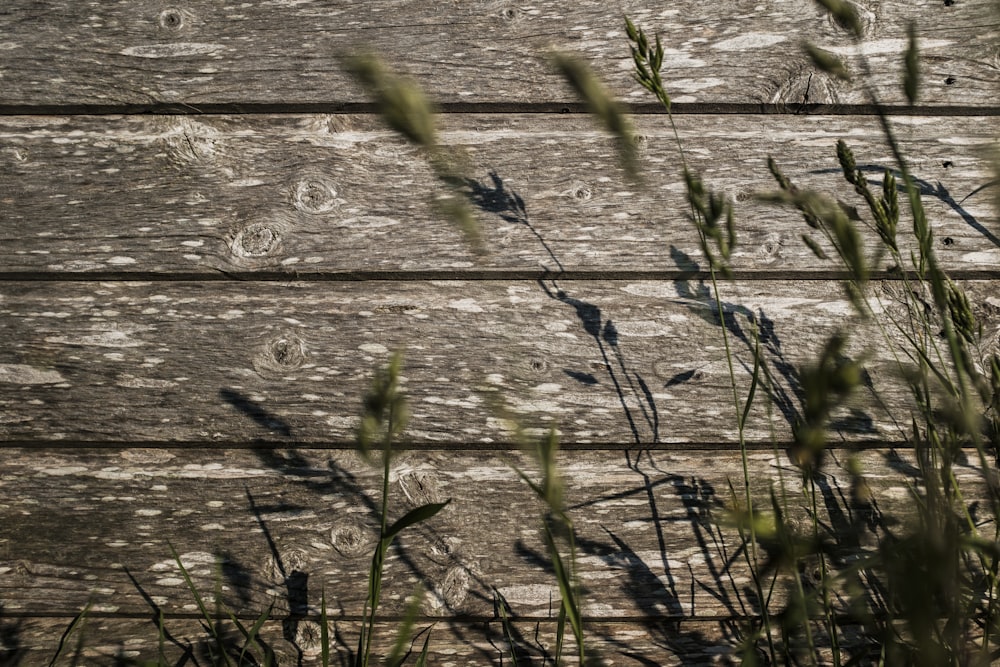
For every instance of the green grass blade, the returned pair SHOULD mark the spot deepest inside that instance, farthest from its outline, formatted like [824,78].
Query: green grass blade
[398,653]
[754,379]
[567,591]
[209,621]
[422,658]
[250,636]
[560,633]
[78,620]
[501,604]
[600,104]
[324,632]
[194,591]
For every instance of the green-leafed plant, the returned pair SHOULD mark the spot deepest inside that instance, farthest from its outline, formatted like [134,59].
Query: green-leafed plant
[382,421]
[560,543]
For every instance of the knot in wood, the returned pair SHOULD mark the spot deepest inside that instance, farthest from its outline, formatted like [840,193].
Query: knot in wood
[191,142]
[309,638]
[770,249]
[352,539]
[641,143]
[290,561]
[420,488]
[508,14]
[171,19]
[539,365]
[450,593]
[581,192]
[280,356]
[255,240]
[869,15]
[315,195]
[805,85]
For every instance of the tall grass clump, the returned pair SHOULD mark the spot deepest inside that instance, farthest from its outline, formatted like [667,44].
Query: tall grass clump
[926,592]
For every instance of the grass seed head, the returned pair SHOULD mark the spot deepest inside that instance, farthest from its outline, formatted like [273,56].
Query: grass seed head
[600,104]
[826,62]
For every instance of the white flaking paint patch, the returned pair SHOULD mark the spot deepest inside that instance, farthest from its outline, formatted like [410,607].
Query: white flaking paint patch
[175,50]
[368,222]
[695,85]
[893,46]
[132,382]
[25,374]
[754,40]
[373,348]
[465,305]
[61,472]
[113,338]
[530,594]
[643,329]
[121,261]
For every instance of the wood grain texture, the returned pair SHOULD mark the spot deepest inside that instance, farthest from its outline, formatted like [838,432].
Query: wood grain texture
[198,52]
[281,526]
[609,362]
[335,195]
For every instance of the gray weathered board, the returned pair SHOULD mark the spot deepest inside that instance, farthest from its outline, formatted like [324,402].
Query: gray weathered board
[208,245]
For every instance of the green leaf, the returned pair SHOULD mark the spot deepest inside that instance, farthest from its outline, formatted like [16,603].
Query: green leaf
[500,604]
[413,517]
[194,591]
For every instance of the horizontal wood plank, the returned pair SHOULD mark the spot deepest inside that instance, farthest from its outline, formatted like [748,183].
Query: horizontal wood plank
[281,526]
[199,52]
[626,362]
[322,195]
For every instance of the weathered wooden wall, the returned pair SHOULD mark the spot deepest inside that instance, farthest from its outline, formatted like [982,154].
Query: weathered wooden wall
[209,244]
